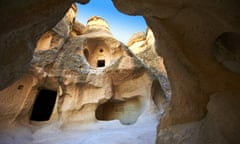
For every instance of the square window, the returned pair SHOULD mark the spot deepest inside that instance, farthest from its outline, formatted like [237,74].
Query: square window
[100,63]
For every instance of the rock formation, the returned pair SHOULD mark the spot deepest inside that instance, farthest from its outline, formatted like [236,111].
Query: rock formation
[190,36]
[203,89]
[80,75]
[143,46]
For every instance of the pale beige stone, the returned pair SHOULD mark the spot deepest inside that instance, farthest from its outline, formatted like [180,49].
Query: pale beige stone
[15,99]
[185,34]
[44,42]
[118,88]
[96,23]
[21,26]
[77,29]
[143,46]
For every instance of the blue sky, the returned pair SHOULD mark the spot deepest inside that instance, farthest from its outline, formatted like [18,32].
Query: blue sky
[121,25]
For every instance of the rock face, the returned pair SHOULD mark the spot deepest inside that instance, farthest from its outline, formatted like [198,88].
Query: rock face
[27,21]
[187,34]
[80,76]
[21,26]
[60,33]
[143,46]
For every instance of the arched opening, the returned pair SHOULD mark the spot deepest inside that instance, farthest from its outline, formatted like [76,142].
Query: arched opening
[44,42]
[100,53]
[43,105]
[127,111]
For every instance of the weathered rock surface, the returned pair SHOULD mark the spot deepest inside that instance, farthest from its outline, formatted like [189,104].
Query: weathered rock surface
[22,24]
[185,33]
[89,78]
[143,46]
[77,29]
[60,33]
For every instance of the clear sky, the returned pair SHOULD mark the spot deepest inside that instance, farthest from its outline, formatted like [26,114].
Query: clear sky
[121,25]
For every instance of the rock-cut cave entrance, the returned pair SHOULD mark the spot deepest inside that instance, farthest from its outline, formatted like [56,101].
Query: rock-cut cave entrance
[44,105]
[126,111]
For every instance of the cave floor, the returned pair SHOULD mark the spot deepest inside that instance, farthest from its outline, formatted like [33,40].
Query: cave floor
[102,132]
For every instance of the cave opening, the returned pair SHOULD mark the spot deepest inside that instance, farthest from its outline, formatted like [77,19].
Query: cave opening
[126,111]
[100,63]
[43,105]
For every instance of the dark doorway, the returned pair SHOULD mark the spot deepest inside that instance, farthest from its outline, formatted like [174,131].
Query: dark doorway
[100,63]
[43,105]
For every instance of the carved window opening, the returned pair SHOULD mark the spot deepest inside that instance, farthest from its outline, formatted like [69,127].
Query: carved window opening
[44,105]
[100,63]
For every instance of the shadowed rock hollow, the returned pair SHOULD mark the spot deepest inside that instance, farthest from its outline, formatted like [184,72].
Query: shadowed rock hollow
[198,41]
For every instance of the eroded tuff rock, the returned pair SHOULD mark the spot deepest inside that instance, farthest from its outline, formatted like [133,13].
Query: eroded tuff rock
[186,34]
[143,46]
[22,24]
[81,79]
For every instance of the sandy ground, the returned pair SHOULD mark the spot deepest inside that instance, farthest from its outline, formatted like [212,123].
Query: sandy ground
[102,132]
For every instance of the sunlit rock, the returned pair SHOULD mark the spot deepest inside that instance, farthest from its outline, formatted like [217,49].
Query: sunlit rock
[81,79]
[186,34]
[143,46]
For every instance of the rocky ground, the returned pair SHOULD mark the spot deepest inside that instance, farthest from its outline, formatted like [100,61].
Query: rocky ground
[102,132]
